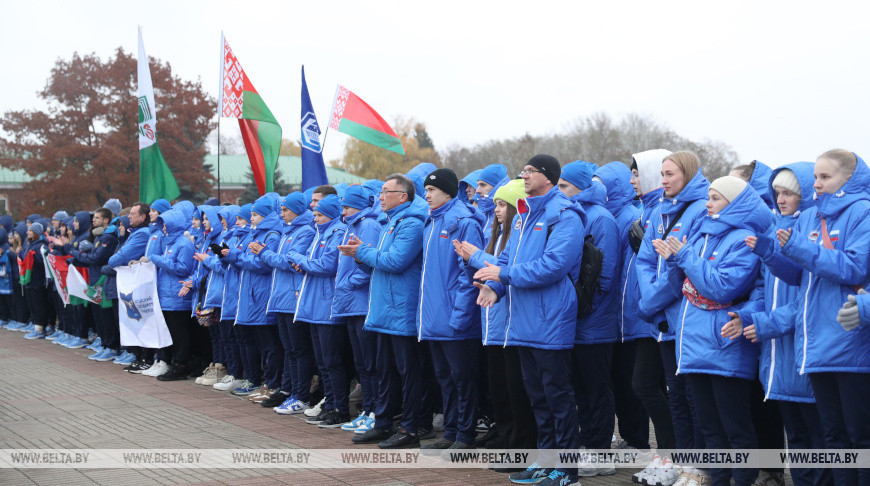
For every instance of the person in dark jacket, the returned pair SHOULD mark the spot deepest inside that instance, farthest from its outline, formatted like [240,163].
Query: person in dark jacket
[448,316]
[535,273]
[395,260]
[34,280]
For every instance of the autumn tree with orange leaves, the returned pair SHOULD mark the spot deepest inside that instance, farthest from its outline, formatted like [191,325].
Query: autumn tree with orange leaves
[82,149]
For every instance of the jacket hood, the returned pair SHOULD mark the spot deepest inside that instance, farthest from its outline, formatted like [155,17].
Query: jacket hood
[746,211]
[469,180]
[760,181]
[485,203]
[228,213]
[175,220]
[594,194]
[854,190]
[455,209]
[616,177]
[7,222]
[187,209]
[84,219]
[21,229]
[804,173]
[418,175]
[33,218]
[46,223]
[649,168]
[695,190]
[373,187]
[418,208]
[4,238]
[304,219]
[340,188]
[211,212]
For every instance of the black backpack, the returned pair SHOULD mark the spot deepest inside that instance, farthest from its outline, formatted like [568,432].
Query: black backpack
[588,284]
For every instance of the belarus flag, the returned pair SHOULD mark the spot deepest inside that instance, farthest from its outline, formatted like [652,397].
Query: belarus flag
[260,130]
[353,116]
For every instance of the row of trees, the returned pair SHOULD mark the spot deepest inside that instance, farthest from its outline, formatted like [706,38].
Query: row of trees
[82,149]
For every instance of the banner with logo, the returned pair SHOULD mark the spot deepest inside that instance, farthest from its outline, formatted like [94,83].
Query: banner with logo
[76,285]
[139,312]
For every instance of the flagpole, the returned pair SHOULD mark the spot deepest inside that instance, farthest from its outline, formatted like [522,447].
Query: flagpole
[323,142]
[219,159]
[220,113]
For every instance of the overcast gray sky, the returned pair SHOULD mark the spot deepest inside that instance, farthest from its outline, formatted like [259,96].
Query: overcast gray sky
[779,81]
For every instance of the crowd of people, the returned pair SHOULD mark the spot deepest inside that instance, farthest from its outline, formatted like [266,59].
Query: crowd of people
[540,308]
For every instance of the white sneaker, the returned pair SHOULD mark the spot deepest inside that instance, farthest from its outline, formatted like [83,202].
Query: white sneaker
[151,369]
[227,383]
[665,475]
[205,374]
[315,410]
[158,369]
[640,477]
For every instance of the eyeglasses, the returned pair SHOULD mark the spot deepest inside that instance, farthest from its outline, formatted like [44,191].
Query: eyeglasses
[384,193]
[529,172]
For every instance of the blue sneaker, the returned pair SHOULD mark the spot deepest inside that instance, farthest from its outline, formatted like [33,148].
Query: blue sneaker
[108,355]
[5,323]
[560,478]
[63,340]
[75,343]
[29,327]
[533,475]
[97,352]
[49,330]
[54,335]
[245,388]
[98,343]
[288,406]
[367,425]
[13,325]
[353,424]
[125,360]
[34,334]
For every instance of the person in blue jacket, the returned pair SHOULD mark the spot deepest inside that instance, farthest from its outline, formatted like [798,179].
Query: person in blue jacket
[535,272]
[757,174]
[263,353]
[319,263]
[298,232]
[80,315]
[212,234]
[595,332]
[514,426]
[831,245]
[396,260]
[104,243]
[791,186]
[679,213]
[718,274]
[489,180]
[350,301]
[174,265]
[468,187]
[417,175]
[632,418]
[448,316]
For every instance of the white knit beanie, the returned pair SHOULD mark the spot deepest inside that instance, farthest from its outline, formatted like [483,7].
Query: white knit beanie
[787,180]
[729,186]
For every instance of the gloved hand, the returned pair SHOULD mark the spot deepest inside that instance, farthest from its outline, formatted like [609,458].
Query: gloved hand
[848,316]
[189,236]
[85,245]
[635,236]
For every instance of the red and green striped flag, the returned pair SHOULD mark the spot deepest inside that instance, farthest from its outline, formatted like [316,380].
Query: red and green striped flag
[260,130]
[25,267]
[353,116]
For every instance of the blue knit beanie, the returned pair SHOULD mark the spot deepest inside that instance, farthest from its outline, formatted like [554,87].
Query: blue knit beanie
[492,174]
[295,201]
[579,173]
[245,212]
[161,205]
[356,197]
[329,206]
[264,206]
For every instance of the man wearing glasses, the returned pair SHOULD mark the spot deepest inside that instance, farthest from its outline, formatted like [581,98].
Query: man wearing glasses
[396,260]
[535,272]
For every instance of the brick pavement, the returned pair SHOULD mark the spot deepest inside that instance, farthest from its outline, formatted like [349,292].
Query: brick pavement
[52,397]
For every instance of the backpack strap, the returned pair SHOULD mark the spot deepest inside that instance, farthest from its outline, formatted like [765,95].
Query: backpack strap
[676,219]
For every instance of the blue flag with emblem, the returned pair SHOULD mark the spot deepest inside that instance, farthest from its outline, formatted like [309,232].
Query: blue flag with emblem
[313,169]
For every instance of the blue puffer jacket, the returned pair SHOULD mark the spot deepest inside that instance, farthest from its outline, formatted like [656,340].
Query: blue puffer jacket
[175,263]
[396,262]
[131,248]
[5,263]
[319,263]
[487,206]
[448,300]
[493,319]
[720,265]
[829,276]
[600,325]
[230,302]
[658,300]
[352,280]
[214,287]
[760,182]
[255,277]
[774,326]
[201,242]
[285,280]
[468,181]
[620,194]
[538,267]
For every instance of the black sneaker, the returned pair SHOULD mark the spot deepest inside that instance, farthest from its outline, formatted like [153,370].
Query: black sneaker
[372,436]
[400,439]
[426,432]
[435,448]
[275,399]
[532,475]
[335,420]
[456,446]
[135,366]
[176,372]
[319,418]
[141,366]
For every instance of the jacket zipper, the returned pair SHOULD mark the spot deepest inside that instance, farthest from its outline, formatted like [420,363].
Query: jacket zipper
[772,344]
[314,244]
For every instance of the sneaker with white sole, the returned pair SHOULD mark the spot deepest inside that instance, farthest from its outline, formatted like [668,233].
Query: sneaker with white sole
[157,369]
[291,407]
[246,388]
[640,477]
[587,469]
[667,474]
[353,424]
[205,373]
[227,383]
[367,425]
[699,478]
[315,410]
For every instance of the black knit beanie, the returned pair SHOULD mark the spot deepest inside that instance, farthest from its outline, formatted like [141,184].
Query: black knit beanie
[548,165]
[444,179]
